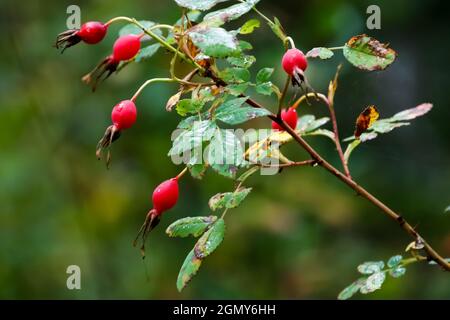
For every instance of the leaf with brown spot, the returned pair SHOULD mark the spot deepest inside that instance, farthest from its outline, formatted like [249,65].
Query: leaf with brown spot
[368,54]
[365,120]
[188,270]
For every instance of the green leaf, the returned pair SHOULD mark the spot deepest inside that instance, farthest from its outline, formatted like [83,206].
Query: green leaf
[249,26]
[190,226]
[244,45]
[394,261]
[264,75]
[412,113]
[369,54]
[197,170]
[371,267]
[214,42]
[351,146]
[232,112]
[320,52]
[349,291]
[228,199]
[320,132]
[225,153]
[193,137]
[188,270]
[235,75]
[147,52]
[374,282]
[198,4]
[219,17]
[134,29]
[278,29]
[186,106]
[265,88]
[447,209]
[237,89]
[210,240]
[397,272]
[243,61]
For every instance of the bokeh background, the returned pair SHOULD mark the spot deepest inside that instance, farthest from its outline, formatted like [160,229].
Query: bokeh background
[300,234]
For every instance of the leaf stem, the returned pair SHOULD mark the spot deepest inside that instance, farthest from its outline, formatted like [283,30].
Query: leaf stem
[283,95]
[182,173]
[146,83]
[336,48]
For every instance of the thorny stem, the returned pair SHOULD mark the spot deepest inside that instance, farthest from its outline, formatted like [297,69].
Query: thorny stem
[337,142]
[146,83]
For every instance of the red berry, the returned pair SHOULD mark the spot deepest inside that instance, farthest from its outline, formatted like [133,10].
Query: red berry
[294,58]
[92,32]
[165,195]
[126,47]
[124,114]
[289,116]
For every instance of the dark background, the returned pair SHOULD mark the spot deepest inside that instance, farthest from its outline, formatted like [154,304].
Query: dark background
[299,234]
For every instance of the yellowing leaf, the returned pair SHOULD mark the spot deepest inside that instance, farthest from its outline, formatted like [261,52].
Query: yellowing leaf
[365,120]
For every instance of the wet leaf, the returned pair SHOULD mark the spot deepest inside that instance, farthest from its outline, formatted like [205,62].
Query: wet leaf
[210,240]
[235,75]
[197,170]
[190,226]
[373,282]
[214,42]
[219,17]
[249,26]
[225,153]
[243,61]
[198,4]
[265,88]
[365,120]
[193,137]
[349,291]
[370,267]
[188,270]
[237,89]
[228,199]
[320,52]
[394,261]
[397,272]
[187,106]
[412,113]
[369,54]
[232,112]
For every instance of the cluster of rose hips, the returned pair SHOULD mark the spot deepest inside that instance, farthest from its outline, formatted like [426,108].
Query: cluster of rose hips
[124,114]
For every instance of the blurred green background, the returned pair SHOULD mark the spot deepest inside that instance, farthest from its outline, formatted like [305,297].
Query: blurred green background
[300,234]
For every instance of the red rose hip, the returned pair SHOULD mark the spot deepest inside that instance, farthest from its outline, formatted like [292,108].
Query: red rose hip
[124,115]
[92,32]
[292,59]
[289,116]
[165,196]
[126,47]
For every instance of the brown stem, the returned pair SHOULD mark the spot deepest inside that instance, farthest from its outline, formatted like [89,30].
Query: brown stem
[432,254]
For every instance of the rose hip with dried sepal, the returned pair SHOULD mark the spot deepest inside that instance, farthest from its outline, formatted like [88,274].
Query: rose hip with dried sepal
[123,117]
[165,197]
[294,64]
[91,32]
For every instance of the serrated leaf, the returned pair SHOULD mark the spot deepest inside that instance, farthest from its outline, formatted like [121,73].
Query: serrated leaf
[228,199]
[198,4]
[249,26]
[369,54]
[373,282]
[237,89]
[134,29]
[214,42]
[412,113]
[265,88]
[188,270]
[190,226]
[349,291]
[187,106]
[147,52]
[370,267]
[243,61]
[394,261]
[235,75]
[193,137]
[264,75]
[219,17]
[210,240]
[232,112]
[320,52]
[225,153]
[397,272]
